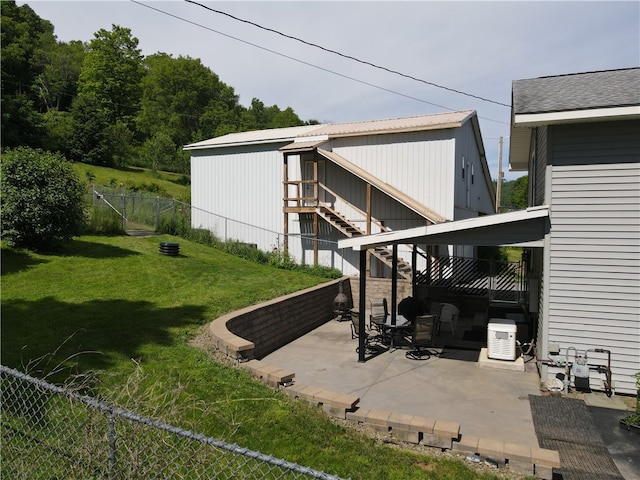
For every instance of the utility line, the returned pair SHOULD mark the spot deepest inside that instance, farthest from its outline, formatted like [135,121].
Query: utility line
[395,72]
[302,61]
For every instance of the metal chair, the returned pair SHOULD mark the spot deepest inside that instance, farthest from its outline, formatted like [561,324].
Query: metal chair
[421,337]
[378,315]
[356,332]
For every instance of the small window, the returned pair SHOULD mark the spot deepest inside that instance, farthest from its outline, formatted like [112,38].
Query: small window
[463,167]
[472,173]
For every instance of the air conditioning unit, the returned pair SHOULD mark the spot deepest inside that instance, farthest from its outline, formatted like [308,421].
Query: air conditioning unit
[501,339]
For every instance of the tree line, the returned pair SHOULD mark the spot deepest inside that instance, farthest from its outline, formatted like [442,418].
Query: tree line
[102,102]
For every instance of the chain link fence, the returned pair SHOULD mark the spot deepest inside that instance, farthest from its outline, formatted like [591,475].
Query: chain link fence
[136,210]
[49,432]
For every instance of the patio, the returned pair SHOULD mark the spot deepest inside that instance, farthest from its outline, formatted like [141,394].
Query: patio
[451,386]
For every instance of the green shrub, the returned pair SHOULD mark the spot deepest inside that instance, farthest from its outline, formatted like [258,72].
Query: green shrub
[42,199]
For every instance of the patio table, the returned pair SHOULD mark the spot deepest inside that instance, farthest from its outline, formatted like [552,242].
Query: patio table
[394,329]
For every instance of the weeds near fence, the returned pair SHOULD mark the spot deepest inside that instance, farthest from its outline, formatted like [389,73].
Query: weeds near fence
[53,432]
[276,258]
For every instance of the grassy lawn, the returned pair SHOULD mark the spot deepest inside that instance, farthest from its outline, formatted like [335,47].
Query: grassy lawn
[114,305]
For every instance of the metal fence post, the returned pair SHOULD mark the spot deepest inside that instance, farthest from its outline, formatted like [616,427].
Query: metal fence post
[157,223]
[124,212]
[112,446]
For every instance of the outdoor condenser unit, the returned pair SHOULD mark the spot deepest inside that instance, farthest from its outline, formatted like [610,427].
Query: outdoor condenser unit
[501,339]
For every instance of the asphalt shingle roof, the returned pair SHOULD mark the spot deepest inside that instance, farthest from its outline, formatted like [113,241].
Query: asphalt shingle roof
[579,91]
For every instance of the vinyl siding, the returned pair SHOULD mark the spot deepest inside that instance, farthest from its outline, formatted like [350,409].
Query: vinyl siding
[539,167]
[594,252]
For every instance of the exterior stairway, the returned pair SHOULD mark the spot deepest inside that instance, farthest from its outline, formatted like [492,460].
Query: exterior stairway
[350,230]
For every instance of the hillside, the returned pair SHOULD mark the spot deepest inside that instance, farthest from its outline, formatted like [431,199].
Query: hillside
[164,184]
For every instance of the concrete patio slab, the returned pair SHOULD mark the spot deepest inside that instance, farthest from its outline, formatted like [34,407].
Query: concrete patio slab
[486,402]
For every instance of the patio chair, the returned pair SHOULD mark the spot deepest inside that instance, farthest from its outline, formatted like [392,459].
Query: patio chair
[356,332]
[449,314]
[379,314]
[421,337]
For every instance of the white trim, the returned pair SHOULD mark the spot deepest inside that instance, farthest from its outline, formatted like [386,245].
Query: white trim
[236,144]
[532,119]
[412,235]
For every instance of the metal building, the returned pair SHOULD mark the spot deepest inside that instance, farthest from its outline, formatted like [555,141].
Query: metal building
[302,189]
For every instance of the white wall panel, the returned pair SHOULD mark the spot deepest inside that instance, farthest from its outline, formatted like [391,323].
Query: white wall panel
[419,164]
[238,194]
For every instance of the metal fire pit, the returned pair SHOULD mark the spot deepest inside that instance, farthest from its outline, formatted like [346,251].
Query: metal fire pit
[341,305]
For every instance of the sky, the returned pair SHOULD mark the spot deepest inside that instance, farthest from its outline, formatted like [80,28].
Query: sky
[461,55]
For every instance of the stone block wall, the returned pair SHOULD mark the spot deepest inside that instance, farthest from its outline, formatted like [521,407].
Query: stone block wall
[256,331]
[378,288]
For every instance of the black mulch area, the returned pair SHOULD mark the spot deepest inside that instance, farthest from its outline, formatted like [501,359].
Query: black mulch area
[475,335]
[565,425]
[460,353]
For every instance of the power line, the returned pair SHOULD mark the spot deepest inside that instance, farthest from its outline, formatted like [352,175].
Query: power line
[302,61]
[395,72]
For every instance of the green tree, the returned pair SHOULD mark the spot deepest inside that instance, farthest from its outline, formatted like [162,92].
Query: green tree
[41,201]
[520,192]
[185,100]
[159,153]
[59,129]
[22,35]
[286,118]
[89,142]
[514,193]
[109,86]
[57,82]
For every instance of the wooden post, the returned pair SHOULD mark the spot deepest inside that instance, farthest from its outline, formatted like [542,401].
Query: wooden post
[368,226]
[285,197]
[315,239]
[316,233]
[499,185]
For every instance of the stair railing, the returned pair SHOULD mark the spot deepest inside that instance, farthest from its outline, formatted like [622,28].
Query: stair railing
[374,221]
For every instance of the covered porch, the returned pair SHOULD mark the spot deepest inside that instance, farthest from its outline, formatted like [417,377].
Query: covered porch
[525,228]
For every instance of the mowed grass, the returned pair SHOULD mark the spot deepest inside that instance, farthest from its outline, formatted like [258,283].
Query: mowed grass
[115,306]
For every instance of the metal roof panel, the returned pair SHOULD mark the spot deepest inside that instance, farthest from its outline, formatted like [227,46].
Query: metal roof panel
[395,125]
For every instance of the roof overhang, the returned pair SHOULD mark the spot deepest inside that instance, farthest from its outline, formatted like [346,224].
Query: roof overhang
[577,116]
[523,228]
[523,123]
[302,147]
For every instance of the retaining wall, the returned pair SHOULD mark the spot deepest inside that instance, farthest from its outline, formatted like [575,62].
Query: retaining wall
[256,331]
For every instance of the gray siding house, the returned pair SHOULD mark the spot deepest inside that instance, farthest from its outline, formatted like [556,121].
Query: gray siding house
[578,137]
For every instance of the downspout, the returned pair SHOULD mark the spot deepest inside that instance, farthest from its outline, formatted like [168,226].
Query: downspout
[285,180]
